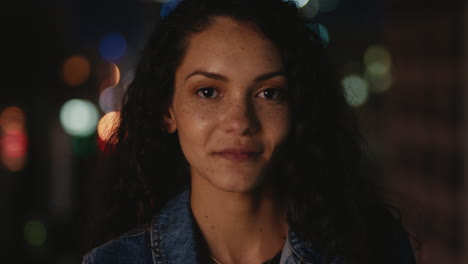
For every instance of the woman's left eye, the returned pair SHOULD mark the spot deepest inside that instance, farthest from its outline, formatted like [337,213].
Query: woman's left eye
[270,94]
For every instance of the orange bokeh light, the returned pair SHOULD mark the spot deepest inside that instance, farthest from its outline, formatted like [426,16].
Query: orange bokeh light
[109,74]
[76,70]
[12,118]
[107,125]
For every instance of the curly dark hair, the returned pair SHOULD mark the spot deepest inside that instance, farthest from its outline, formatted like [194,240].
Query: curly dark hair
[332,205]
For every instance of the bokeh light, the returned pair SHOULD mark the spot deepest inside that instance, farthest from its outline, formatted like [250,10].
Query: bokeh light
[76,70]
[301,3]
[126,79]
[79,117]
[328,5]
[379,84]
[84,146]
[355,89]
[14,144]
[35,233]
[109,75]
[377,60]
[12,118]
[13,138]
[112,47]
[107,125]
[321,32]
[310,9]
[109,100]
[167,7]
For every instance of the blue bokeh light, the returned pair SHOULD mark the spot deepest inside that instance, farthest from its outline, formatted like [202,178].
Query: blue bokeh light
[168,7]
[112,47]
[321,32]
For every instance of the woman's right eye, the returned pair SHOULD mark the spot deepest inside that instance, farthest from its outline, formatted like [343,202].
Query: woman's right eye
[207,92]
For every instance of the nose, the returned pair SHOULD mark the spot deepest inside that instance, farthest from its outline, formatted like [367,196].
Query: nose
[241,118]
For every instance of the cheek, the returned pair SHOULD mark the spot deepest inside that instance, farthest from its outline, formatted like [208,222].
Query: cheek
[193,122]
[275,122]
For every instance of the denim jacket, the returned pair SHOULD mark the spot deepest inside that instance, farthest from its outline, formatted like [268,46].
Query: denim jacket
[171,239]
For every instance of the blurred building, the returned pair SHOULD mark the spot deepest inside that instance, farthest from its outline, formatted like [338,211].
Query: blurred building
[424,124]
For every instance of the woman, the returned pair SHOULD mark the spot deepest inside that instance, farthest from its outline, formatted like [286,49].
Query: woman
[236,146]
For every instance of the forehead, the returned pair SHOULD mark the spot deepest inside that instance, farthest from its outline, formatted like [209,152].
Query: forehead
[227,43]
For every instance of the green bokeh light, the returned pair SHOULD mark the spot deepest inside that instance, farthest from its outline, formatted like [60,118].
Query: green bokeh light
[35,233]
[378,61]
[79,117]
[379,84]
[356,90]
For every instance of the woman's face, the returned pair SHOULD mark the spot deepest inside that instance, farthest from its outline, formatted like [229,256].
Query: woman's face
[229,105]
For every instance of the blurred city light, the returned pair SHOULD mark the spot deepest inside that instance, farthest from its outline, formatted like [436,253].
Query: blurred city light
[379,84]
[377,60]
[109,75]
[126,79]
[84,146]
[321,32]
[112,47]
[14,144]
[301,3]
[109,100]
[167,7]
[12,118]
[35,233]
[13,139]
[328,5]
[356,90]
[324,34]
[79,117]
[76,70]
[107,125]
[310,9]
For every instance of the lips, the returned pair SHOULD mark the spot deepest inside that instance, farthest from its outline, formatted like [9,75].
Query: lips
[239,154]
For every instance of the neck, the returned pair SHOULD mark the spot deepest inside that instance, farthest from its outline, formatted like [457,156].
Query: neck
[239,227]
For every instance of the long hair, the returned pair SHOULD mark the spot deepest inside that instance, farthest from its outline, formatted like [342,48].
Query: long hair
[331,204]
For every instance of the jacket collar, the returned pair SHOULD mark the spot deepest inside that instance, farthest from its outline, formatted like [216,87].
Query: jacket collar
[174,241]
[173,235]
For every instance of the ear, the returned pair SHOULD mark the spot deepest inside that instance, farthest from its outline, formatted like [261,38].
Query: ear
[169,122]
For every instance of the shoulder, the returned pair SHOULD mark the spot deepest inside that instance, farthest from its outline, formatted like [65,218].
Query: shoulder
[129,248]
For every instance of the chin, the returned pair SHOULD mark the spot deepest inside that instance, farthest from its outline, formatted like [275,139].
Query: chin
[239,182]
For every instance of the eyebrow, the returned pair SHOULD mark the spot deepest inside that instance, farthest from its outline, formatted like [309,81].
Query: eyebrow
[223,78]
